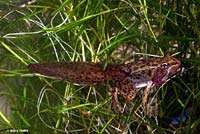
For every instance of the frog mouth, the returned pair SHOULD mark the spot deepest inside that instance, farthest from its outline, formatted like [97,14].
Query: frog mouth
[172,74]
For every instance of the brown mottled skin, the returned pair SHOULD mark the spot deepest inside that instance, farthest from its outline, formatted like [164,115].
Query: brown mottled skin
[127,78]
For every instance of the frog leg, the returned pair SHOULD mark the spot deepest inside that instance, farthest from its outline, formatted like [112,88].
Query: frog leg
[146,94]
[115,104]
[128,90]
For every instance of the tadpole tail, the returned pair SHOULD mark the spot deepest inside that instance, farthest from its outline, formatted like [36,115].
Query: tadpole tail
[80,72]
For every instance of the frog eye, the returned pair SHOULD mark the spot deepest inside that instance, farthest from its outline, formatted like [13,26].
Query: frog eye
[164,65]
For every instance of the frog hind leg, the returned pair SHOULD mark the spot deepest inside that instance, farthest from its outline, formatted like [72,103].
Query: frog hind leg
[128,90]
[115,104]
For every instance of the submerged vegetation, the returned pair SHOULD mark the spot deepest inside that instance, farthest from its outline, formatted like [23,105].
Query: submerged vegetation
[97,31]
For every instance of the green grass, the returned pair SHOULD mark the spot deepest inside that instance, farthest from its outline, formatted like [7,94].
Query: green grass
[97,31]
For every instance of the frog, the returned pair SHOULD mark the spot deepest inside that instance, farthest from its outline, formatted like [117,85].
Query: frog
[125,78]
